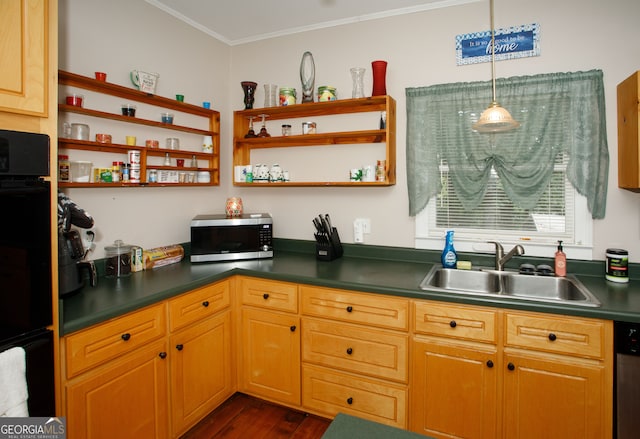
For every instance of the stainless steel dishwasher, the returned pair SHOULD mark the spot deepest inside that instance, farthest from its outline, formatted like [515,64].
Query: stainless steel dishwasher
[627,388]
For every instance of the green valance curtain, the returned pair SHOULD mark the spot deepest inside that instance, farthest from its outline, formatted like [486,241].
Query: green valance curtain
[559,113]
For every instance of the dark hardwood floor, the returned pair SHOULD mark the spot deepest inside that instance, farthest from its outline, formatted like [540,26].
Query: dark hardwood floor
[246,417]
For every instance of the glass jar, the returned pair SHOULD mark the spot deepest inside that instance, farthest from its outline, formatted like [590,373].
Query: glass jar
[286,130]
[118,259]
[153,176]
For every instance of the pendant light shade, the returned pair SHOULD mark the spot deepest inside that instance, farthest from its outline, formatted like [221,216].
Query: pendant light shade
[495,119]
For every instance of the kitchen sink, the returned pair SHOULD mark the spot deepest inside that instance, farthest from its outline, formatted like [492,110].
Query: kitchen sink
[509,284]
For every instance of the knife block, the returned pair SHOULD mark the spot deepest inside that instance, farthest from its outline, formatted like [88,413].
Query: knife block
[329,247]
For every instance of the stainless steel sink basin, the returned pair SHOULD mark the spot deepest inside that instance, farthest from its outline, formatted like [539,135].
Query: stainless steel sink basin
[507,284]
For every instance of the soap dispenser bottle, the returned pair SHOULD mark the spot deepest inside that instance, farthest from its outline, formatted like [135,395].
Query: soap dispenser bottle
[449,255]
[561,261]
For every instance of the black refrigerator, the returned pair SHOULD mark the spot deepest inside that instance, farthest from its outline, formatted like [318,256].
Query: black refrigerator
[25,261]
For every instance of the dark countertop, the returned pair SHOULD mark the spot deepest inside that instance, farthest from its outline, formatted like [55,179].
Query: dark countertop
[350,427]
[384,270]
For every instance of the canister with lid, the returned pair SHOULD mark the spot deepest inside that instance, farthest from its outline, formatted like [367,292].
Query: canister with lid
[118,261]
[617,265]
[287,96]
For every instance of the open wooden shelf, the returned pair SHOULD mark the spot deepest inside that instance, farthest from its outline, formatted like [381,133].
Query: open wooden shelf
[242,147]
[106,88]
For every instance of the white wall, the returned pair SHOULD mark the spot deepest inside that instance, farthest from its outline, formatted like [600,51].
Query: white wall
[575,35]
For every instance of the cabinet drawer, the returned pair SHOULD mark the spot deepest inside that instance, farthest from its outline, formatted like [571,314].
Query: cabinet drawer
[563,335]
[275,295]
[455,321]
[112,339]
[198,304]
[378,353]
[368,309]
[332,392]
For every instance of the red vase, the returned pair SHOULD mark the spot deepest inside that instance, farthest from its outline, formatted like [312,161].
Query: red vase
[379,78]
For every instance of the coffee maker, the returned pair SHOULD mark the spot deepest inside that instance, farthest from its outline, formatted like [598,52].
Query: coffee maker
[71,253]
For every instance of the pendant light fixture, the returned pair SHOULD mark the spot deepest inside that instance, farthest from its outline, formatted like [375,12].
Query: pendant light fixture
[495,119]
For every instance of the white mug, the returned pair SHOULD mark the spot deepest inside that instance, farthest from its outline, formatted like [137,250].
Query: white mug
[239,174]
[369,173]
[145,81]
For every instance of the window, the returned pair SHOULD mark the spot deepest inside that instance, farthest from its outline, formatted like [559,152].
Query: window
[517,187]
[561,213]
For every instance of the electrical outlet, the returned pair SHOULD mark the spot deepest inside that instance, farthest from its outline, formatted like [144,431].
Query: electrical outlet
[358,232]
[366,224]
[360,227]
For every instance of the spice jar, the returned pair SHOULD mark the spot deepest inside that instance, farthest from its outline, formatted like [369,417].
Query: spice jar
[118,261]
[64,165]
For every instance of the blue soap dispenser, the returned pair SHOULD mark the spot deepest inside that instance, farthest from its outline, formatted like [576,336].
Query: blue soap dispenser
[449,255]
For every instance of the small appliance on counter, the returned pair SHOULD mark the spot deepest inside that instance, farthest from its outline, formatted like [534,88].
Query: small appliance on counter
[218,237]
[71,252]
[328,245]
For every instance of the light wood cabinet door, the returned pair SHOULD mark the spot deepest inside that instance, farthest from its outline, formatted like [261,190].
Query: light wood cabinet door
[200,358]
[96,345]
[198,304]
[454,389]
[330,392]
[362,308]
[356,349]
[127,398]
[278,296]
[554,398]
[270,365]
[24,61]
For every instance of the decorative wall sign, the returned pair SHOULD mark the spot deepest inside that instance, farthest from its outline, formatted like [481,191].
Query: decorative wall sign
[512,42]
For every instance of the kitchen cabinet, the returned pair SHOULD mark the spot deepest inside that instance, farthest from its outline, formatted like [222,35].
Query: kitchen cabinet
[151,158]
[509,374]
[117,378]
[454,371]
[24,77]
[323,137]
[629,133]
[269,356]
[154,372]
[558,379]
[355,354]
[201,356]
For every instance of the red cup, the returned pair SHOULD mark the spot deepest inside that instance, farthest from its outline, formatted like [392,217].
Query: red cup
[180,163]
[101,76]
[75,100]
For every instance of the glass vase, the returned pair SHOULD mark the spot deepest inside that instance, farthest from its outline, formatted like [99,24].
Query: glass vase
[307,76]
[357,75]
[249,89]
[379,78]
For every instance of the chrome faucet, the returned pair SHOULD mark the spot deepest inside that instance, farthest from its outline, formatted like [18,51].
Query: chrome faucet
[501,258]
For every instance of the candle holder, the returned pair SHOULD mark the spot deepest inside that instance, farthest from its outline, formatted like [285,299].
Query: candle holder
[251,133]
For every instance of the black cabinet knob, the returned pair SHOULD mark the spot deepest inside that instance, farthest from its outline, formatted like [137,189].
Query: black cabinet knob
[489,364]
[179,347]
[453,323]
[349,351]
[162,355]
[126,336]
[349,400]
[293,328]
[552,337]
[205,303]
[265,296]
[349,308]
[511,366]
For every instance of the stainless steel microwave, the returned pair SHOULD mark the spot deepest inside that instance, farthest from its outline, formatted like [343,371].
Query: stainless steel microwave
[223,238]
